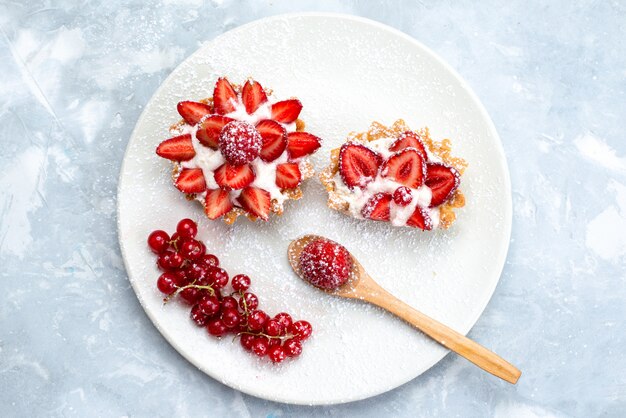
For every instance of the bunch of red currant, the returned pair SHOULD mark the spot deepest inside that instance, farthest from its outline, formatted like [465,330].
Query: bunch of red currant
[195,276]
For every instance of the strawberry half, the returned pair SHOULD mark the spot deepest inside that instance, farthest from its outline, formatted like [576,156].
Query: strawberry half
[234,177]
[256,201]
[443,180]
[224,97]
[409,139]
[209,131]
[217,203]
[179,148]
[288,175]
[377,208]
[420,219]
[358,165]
[193,112]
[191,180]
[300,144]
[274,139]
[406,167]
[252,96]
[286,111]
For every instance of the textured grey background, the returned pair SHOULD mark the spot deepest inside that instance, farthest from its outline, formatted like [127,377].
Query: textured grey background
[73,80]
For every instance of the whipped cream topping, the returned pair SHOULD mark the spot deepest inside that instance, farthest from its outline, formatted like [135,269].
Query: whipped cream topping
[358,197]
[210,160]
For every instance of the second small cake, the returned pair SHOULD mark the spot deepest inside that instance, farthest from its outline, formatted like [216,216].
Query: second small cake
[396,175]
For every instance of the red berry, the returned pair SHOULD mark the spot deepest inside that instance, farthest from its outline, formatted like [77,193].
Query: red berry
[191,295]
[218,277]
[210,260]
[292,347]
[216,327]
[198,317]
[247,340]
[276,354]
[273,328]
[229,302]
[175,240]
[191,249]
[240,142]
[231,317]
[202,248]
[158,241]
[285,321]
[301,330]
[257,320]
[240,283]
[167,283]
[187,228]
[402,196]
[170,260]
[209,305]
[196,271]
[325,263]
[248,301]
[180,278]
[260,346]
[274,341]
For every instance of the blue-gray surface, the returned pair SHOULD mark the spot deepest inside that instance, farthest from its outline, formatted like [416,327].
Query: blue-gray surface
[74,341]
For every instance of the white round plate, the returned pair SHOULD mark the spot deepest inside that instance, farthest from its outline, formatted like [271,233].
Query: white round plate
[347,72]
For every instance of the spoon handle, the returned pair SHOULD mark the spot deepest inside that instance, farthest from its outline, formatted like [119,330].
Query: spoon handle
[449,338]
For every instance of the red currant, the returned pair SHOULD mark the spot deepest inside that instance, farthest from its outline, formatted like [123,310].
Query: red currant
[209,305]
[276,354]
[190,295]
[167,283]
[158,241]
[217,277]
[229,302]
[202,247]
[240,283]
[274,341]
[210,260]
[216,327]
[198,316]
[257,320]
[196,271]
[248,301]
[175,240]
[273,328]
[285,321]
[180,278]
[170,260]
[191,249]
[260,345]
[187,228]
[231,317]
[301,329]
[293,347]
[247,340]
[402,196]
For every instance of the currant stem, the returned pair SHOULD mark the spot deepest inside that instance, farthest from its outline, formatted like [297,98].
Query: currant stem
[189,286]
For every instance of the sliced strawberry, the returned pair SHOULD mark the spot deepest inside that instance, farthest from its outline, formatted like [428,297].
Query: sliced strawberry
[252,96]
[191,180]
[274,139]
[234,177]
[179,148]
[406,167]
[358,165]
[420,219]
[409,139]
[256,201]
[224,97]
[288,175]
[443,180]
[217,203]
[193,112]
[209,131]
[377,208]
[300,144]
[286,111]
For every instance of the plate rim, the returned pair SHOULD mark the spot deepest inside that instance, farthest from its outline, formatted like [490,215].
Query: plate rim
[507,215]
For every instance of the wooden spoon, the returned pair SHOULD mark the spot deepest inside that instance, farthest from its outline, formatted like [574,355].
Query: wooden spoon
[361,286]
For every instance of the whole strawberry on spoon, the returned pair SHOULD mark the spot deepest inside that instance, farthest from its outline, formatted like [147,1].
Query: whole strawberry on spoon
[330,267]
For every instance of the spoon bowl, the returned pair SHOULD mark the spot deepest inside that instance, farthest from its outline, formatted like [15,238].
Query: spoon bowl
[361,285]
